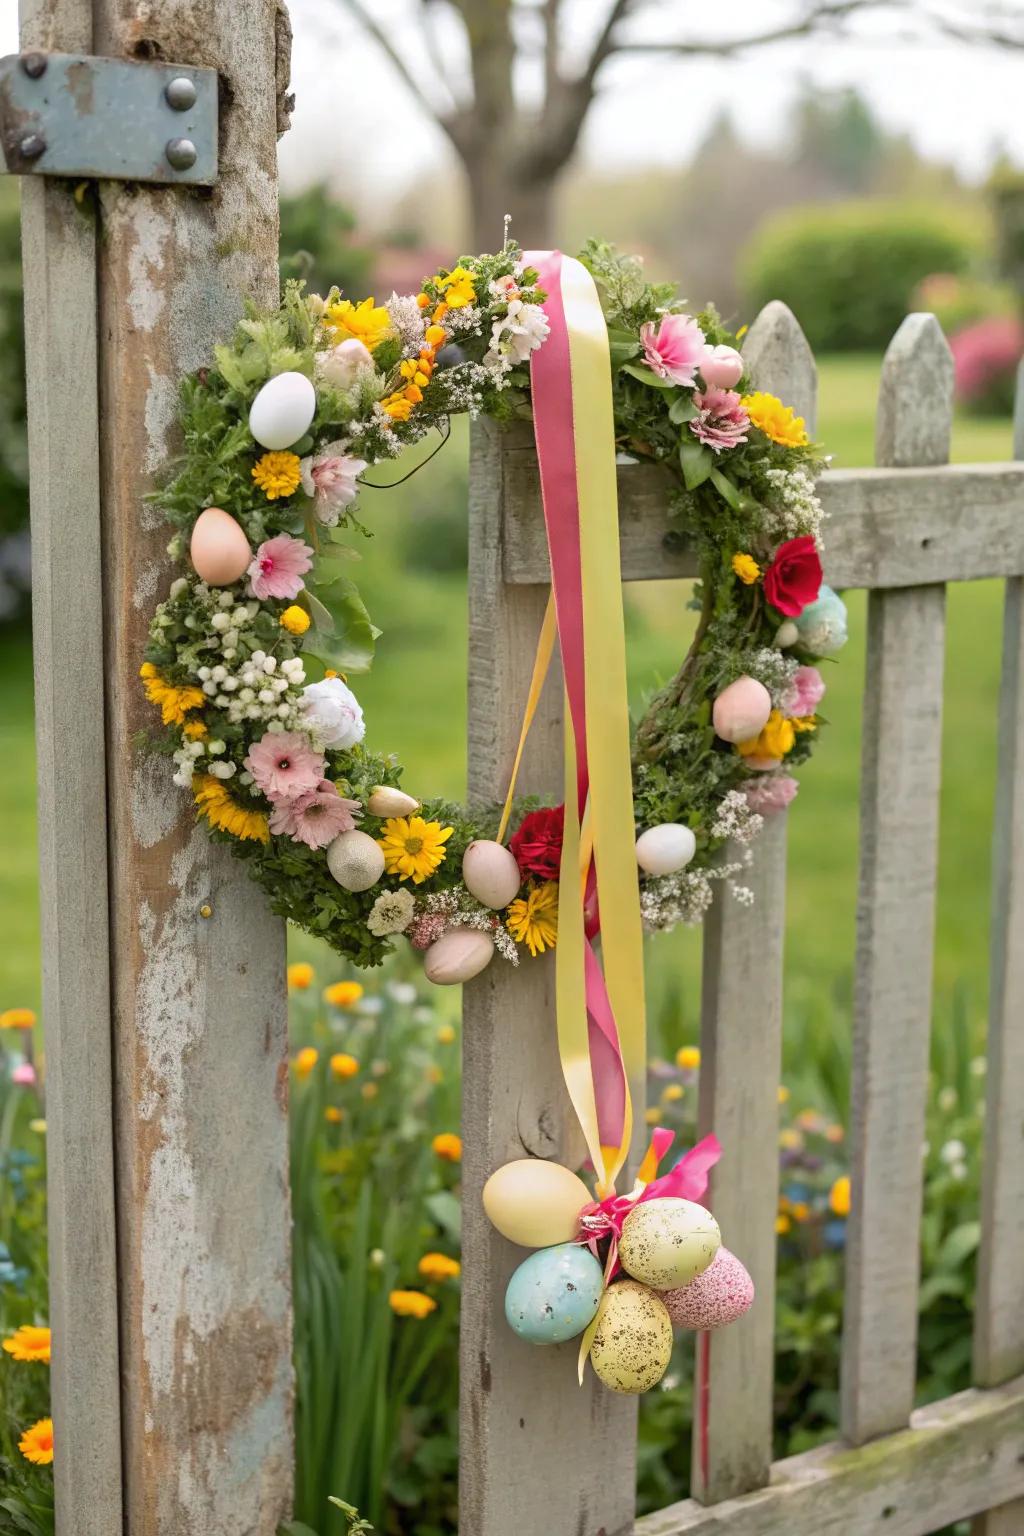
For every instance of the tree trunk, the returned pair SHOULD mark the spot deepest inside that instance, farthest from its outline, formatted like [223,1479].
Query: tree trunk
[495,190]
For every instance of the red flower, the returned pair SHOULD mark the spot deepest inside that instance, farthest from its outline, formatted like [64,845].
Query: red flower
[793,580]
[537,846]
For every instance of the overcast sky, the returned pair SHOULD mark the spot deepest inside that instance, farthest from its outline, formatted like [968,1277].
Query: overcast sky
[355,125]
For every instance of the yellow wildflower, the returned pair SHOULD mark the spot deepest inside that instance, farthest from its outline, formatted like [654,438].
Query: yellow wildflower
[367,322]
[688,1057]
[791,1140]
[775,740]
[413,848]
[834,1134]
[194,730]
[343,994]
[746,568]
[652,1116]
[411,1304]
[446,1034]
[17,1018]
[300,976]
[801,723]
[423,300]
[457,288]
[783,1094]
[277,474]
[369,1091]
[295,620]
[776,420]
[673,1093]
[343,1065]
[533,920]
[438,1267]
[29,1343]
[839,1196]
[38,1126]
[36,1444]
[801,1211]
[447,1146]
[397,407]
[305,1060]
[782,1224]
[434,1075]
[215,802]
[175,702]
[333,1115]
[435,335]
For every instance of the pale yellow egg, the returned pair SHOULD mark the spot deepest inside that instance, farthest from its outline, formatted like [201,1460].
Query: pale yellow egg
[535,1203]
[668,1242]
[633,1343]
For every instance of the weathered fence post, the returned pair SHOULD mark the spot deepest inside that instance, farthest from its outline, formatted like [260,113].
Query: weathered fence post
[196,963]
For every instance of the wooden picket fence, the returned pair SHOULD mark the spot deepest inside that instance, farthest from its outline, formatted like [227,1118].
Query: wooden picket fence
[540,1457]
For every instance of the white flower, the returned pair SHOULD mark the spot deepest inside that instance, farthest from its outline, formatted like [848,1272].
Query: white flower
[331,713]
[953,1152]
[402,991]
[946,1099]
[515,335]
[392,912]
[343,365]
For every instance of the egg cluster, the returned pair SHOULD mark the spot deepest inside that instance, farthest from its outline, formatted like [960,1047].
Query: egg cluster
[670,1250]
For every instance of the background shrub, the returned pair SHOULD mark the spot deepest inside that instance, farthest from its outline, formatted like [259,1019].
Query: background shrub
[848,271]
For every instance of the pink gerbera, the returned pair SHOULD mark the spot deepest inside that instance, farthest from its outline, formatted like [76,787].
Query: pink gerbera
[279,567]
[673,348]
[721,422]
[285,766]
[316,818]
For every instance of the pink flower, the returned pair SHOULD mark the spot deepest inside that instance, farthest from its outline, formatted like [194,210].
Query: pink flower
[768,795]
[316,818]
[722,366]
[330,479]
[279,567]
[721,421]
[426,930]
[285,766]
[805,692]
[24,1074]
[674,348]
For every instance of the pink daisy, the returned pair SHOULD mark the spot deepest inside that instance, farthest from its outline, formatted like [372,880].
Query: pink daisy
[285,766]
[315,819]
[721,421]
[279,567]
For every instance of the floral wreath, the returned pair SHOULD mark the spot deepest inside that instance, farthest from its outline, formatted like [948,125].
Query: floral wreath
[248,656]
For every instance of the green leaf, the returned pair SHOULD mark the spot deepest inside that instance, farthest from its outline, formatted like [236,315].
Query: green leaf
[646,376]
[697,463]
[295,1528]
[342,620]
[447,1212]
[725,488]
[682,410]
[959,1245]
[622,345]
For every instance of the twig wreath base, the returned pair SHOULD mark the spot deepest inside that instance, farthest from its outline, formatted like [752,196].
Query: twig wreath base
[250,655]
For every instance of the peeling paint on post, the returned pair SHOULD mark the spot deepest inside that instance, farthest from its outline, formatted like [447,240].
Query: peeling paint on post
[199,1008]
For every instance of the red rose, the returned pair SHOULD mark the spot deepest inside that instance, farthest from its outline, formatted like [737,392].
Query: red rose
[537,846]
[793,580]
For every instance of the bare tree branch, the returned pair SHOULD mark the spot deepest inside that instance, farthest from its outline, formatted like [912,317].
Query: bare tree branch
[436,57]
[409,80]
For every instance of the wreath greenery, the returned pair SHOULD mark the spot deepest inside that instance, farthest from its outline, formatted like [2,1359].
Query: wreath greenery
[248,656]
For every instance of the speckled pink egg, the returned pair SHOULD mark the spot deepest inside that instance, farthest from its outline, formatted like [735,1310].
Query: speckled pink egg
[718,1296]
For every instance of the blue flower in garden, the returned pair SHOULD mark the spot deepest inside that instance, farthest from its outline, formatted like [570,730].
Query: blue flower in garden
[834,1233]
[822,624]
[798,1194]
[11,1273]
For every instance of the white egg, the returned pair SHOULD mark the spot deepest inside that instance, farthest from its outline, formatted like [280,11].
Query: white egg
[491,873]
[355,860]
[664,850]
[283,410]
[457,956]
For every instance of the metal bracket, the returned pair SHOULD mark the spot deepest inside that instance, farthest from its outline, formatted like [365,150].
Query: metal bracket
[67,114]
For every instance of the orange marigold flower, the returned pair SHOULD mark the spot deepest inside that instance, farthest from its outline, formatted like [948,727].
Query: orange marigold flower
[305,1060]
[369,1091]
[36,1444]
[411,1304]
[29,1343]
[343,1065]
[333,1115]
[438,1267]
[300,976]
[839,1196]
[343,994]
[17,1018]
[277,474]
[448,1146]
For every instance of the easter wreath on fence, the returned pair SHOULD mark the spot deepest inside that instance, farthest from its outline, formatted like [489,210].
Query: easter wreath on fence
[249,655]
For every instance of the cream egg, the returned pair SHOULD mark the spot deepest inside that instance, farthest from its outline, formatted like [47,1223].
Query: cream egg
[667,1242]
[664,850]
[457,956]
[491,873]
[535,1203]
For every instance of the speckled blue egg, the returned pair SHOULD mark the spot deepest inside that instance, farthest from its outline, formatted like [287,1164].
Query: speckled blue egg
[554,1294]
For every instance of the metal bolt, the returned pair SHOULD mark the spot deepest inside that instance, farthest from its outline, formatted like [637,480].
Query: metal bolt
[32,146]
[181,153]
[34,64]
[206,910]
[181,93]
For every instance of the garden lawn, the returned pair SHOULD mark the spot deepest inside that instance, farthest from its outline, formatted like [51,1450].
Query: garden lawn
[415,705]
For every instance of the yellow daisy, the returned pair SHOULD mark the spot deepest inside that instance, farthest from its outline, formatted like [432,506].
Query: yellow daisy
[29,1343]
[366,322]
[214,801]
[277,474]
[413,848]
[776,420]
[36,1444]
[533,919]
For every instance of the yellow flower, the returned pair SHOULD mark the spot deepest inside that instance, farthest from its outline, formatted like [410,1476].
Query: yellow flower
[801,723]
[215,802]
[367,322]
[801,1211]
[343,994]
[434,335]
[533,920]
[446,1034]
[39,1126]
[194,730]
[174,702]
[411,1304]
[295,620]
[434,1075]
[29,1343]
[300,976]
[413,848]
[397,406]
[776,420]
[688,1058]
[746,568]
[783,1094]
[343,1065]
[448,1147]
[36,1444]
[782,1225]
[457,288]
[277,474]
[369,1091]
[305,1060]
[791,1140]
[673,1093]
[834,1134]
[839,1196]
[17,1018]
[333,1115]
[652,1116]
[775,740]
[438,1267]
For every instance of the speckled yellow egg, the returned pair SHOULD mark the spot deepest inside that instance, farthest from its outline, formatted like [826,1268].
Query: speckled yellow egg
[633,1341]
[667,1242]
[535,1203]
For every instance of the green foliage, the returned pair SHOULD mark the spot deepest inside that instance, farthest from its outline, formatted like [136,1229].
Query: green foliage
[318,242]
[848,271]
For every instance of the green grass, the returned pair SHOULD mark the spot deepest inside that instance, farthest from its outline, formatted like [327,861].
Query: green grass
[415,705]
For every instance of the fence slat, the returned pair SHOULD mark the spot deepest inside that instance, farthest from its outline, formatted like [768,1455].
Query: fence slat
[538,1452]
[895,923]
[741,1053]
[999,1304]
[59,244]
